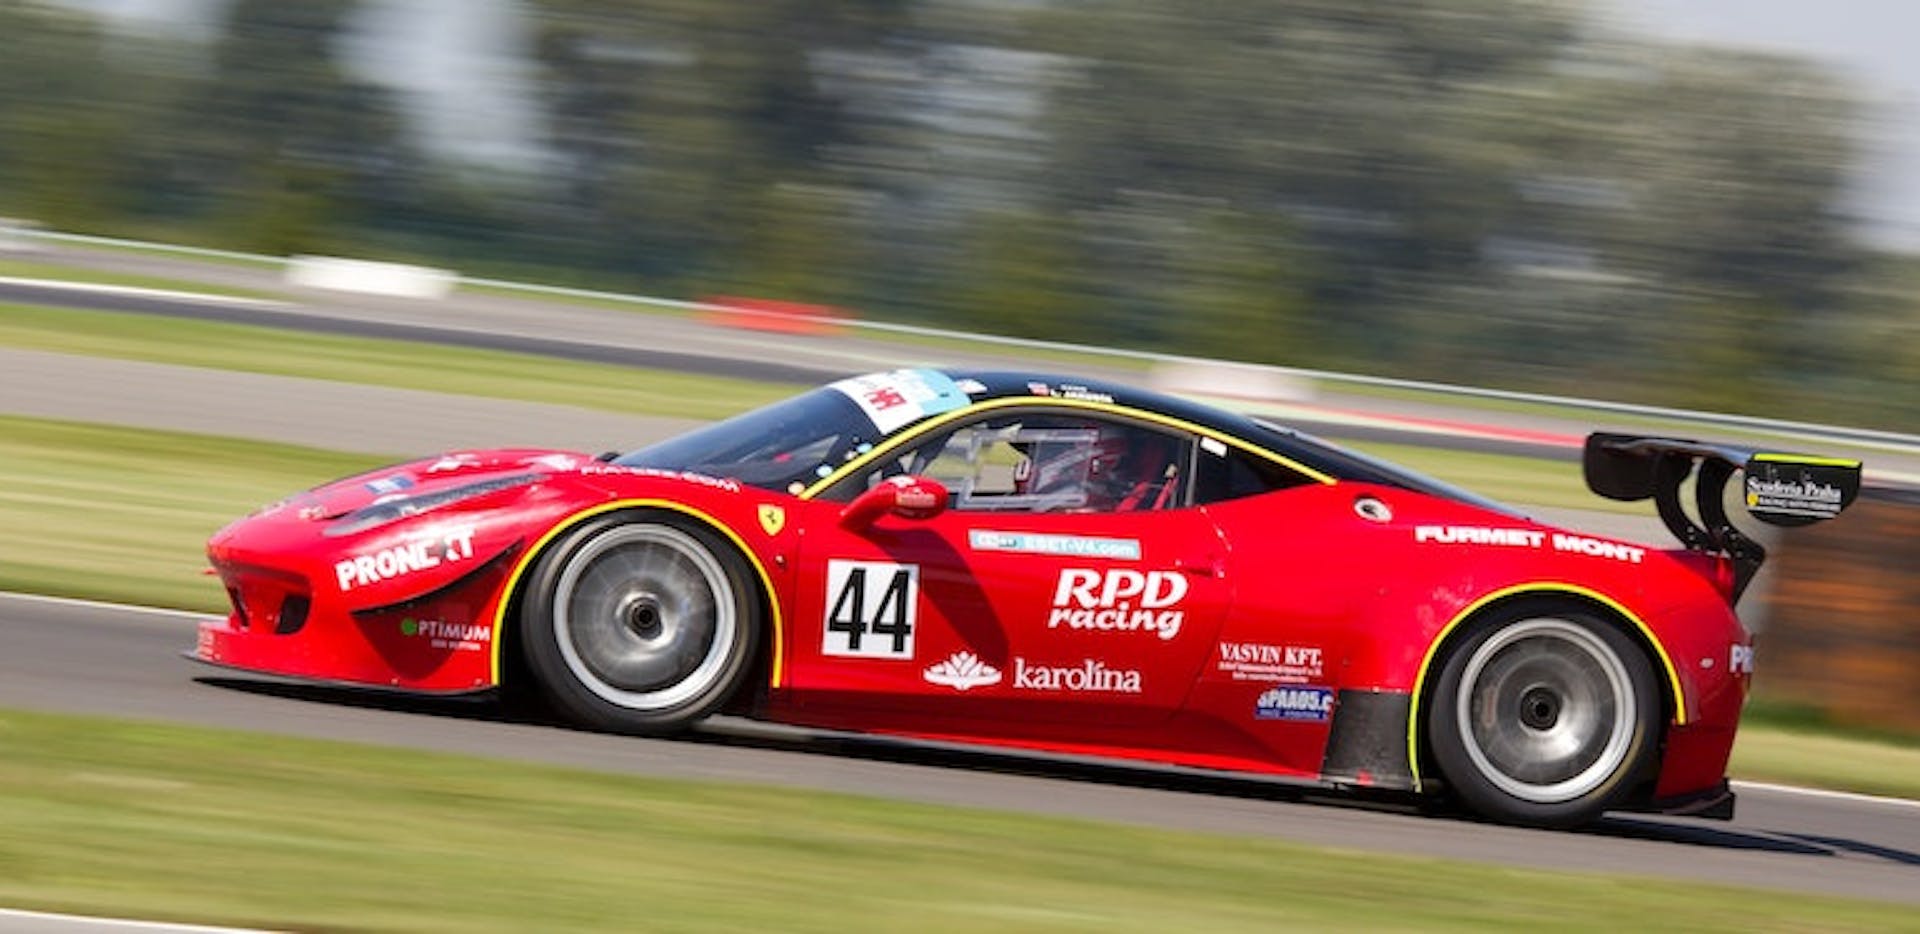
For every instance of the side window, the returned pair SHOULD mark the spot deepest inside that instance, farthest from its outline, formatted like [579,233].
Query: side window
[1222,473]
[1051,462]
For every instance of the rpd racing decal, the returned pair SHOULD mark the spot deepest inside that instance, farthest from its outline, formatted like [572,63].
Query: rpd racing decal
[871,609]
[1119,600]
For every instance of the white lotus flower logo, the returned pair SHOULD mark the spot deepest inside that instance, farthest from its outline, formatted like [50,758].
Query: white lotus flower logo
[964,670]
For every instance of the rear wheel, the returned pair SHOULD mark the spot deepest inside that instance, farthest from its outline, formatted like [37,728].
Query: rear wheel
[1544,715]
[640,624]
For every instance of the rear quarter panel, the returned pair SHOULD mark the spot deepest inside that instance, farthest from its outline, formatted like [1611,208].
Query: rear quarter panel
[1377,596]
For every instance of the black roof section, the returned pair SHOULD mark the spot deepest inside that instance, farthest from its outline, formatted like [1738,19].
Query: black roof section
[1304,449]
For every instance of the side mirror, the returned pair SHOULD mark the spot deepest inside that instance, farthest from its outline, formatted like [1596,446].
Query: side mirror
[913,498]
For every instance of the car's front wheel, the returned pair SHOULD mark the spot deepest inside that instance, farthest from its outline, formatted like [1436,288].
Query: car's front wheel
[640,624]
[1544,715]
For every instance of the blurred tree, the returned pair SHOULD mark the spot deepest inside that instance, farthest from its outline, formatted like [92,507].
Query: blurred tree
[1488,191]
[1017,272]
[677,119]
[1705,185]
[59,129]
[798,242]
[1357,122]
[286,148]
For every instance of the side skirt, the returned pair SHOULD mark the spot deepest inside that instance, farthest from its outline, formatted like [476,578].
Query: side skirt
[1368,744]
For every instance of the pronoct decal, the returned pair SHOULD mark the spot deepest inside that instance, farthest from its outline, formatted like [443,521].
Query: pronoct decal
[422,552]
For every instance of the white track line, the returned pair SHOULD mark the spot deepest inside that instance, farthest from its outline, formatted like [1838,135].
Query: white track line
[190,615]
[102,605]
[1852,796]
[44,920]
[198,298]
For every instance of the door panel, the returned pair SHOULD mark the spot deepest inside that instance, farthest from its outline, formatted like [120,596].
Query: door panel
[979,617]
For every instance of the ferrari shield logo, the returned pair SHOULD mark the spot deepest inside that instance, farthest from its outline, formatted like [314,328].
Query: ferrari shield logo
[773,519]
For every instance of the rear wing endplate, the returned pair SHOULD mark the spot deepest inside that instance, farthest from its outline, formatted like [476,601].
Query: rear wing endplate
[1780,489]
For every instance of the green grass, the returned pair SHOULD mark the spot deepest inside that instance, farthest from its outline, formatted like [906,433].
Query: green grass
[1819,759]
[160,240]
[1580,415]
[1508,478]
[1798,716]
[124,514]
[131,819]
[28,270]
[408,365]
[1520,480]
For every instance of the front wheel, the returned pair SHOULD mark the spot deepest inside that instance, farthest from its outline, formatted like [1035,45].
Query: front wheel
[1544,716]
[640,625]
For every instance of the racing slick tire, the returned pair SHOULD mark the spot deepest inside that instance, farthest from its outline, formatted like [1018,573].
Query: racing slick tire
[1544,715]
[640,624]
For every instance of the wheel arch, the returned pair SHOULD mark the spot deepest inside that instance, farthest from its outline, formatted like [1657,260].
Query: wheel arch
[513,590]
[1672,692]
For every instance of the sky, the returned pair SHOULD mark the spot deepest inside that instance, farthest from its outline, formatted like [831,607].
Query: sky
[469,100]
[460,65]
[1870,42]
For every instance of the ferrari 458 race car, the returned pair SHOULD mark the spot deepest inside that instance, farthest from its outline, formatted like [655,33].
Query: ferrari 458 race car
[1054,565]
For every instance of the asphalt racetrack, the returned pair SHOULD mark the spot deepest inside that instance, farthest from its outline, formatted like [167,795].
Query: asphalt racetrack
[96,659]
[93,659]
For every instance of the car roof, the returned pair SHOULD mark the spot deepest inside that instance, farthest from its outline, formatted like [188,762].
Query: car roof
[1286,442]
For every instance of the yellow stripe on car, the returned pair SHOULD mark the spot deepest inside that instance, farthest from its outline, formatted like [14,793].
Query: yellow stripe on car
[1809,461]
[1548,587]
[527,559]
[901,440]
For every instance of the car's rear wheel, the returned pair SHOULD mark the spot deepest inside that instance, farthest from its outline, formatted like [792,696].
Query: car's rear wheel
[1544,715]
[640,624]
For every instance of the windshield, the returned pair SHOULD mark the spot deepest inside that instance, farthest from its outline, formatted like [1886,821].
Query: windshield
[790,444]
[787,443]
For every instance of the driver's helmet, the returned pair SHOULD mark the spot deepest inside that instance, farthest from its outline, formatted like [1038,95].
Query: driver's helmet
[1073,468]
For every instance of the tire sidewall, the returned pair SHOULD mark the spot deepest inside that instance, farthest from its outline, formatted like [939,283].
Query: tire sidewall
[1464,777]
[579,703]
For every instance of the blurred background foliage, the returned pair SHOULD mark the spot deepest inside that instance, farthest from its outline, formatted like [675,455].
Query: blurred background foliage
[1495,192]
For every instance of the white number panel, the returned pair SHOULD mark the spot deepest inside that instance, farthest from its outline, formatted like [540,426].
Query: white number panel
[871,609]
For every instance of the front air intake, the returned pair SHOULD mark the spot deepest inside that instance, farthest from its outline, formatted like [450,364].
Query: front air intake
[293,615]
[239,607]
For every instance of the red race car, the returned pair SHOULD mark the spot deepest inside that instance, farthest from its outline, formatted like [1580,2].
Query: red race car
[1055,565]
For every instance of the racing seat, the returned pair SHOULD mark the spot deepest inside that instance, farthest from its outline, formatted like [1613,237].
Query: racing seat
[1158,478]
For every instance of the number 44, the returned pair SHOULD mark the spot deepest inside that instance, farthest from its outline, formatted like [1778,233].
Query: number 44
[871,609]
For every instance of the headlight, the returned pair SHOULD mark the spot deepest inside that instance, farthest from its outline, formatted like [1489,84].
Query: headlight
[392,510]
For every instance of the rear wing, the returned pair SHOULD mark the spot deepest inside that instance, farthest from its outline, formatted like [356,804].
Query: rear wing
[1780,489]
